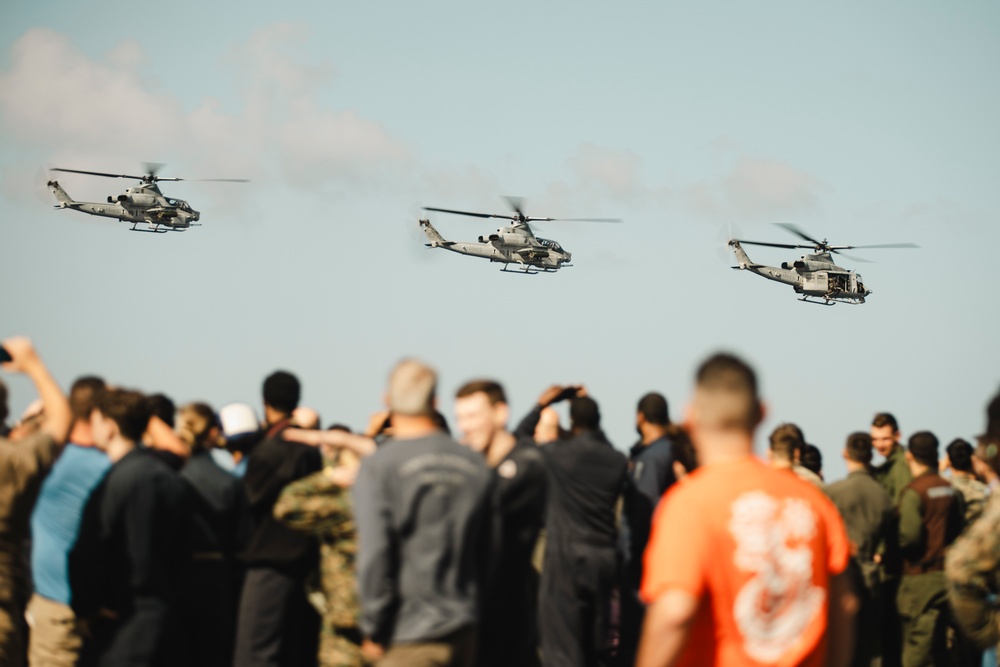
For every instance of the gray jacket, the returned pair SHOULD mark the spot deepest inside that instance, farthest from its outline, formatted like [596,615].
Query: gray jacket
[423,515]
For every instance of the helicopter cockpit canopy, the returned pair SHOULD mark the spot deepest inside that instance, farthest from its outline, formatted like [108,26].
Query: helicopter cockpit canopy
[550,244]
[179,203]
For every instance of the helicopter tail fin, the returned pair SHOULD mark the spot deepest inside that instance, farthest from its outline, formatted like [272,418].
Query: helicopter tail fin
[435,238]
[61,196]
[741,256]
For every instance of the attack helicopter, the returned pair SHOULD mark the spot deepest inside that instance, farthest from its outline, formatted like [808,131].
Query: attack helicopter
[815,276]
[514,244]
[141,204]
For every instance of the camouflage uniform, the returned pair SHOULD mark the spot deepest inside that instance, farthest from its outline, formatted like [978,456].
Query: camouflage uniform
[972,567]
[973,492]
[316,504]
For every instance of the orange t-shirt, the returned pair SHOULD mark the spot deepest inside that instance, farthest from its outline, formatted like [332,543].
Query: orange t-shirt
[757,546]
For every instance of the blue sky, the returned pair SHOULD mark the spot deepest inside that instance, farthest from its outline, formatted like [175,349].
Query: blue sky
[859,122]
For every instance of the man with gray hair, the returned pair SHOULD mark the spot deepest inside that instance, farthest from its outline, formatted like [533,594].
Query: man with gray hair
[421,508]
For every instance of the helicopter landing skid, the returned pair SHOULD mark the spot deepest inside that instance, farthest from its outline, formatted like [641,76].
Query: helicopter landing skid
[156,230]
[826,302]
[524,271]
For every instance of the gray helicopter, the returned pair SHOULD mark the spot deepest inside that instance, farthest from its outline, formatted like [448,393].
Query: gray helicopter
[815,276]
[141,204]
[514,244]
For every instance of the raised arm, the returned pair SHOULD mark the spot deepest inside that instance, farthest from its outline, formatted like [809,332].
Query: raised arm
[24,359]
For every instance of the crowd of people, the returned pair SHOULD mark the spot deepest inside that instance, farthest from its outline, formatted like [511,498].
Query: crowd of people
[136,532]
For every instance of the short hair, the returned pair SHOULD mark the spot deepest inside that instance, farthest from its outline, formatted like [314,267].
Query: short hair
[859,447]
[584,413]
[885,419]
[960,455]
[128,409]
[493,390]
[812,458]
[161,406]
[732,386]
[787,439]
[83,396]
[923,446]
[282,391]
[993,420]
[412,388]
[4,408]
[653,407]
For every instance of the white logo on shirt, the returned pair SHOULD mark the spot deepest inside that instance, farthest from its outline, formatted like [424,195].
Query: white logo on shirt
[780,601]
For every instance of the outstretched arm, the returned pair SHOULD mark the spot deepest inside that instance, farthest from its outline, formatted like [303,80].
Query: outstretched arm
[24,359]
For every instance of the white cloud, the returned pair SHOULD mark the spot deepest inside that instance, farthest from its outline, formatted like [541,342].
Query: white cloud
[54,98]
[755,188]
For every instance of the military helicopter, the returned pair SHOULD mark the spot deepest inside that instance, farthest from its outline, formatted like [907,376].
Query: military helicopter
[514,244]
[814,275]
[141,204]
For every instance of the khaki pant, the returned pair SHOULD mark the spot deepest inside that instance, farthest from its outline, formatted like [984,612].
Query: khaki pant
[456,650]
[55,639]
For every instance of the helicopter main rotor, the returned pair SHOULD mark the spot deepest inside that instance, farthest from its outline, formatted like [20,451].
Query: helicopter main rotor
[824,246]
[518,217]
[150,177]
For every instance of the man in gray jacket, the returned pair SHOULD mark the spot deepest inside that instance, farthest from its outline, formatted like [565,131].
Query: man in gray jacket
[422,513]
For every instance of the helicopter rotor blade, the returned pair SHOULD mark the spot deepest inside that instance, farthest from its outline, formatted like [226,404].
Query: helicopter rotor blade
[774,245]
[801,234]
[98,173]
[886,245]
[583,219]
[474,215]
[152,168]
[853,258]
[214,180]
[516,203]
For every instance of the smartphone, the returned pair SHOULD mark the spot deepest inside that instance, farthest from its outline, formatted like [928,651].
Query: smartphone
[4,355]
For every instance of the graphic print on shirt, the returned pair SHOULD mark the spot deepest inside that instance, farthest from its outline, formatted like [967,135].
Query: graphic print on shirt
[778,603]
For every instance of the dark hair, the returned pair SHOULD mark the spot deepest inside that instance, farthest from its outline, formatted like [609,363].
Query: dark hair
[339,427]
[681,447]
[787,439]
[162,407]
[812,459]
[885,419]
[584,413]
[960,455]
[197,421]
[728,374]
[83,396]
[653,407]
[923,445]
[128,409]
[493,390]
[993,420]
[282,391]
[859,447]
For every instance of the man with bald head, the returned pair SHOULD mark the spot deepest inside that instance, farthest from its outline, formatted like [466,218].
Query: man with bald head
[745,563]
[421,508]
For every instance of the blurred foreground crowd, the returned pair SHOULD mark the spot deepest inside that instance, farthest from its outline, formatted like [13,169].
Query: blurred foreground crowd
[134,532]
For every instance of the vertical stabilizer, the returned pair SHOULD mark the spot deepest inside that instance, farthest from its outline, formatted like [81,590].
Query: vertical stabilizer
[61,196]
[435,238]
[741,256]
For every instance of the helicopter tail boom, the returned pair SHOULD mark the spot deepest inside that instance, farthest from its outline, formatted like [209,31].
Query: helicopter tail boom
[65,201]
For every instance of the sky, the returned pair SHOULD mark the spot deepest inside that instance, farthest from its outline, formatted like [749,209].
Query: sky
[862,123]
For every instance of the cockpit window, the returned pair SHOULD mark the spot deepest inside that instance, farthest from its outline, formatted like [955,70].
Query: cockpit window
[548,243]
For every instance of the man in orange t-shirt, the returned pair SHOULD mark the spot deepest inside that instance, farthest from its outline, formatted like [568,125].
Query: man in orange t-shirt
[745,563]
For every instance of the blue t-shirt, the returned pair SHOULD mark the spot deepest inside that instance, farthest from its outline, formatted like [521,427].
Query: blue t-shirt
[55,523]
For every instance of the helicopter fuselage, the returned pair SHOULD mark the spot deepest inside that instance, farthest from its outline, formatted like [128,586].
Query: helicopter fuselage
[514,244]
[813,275]
[140,204]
